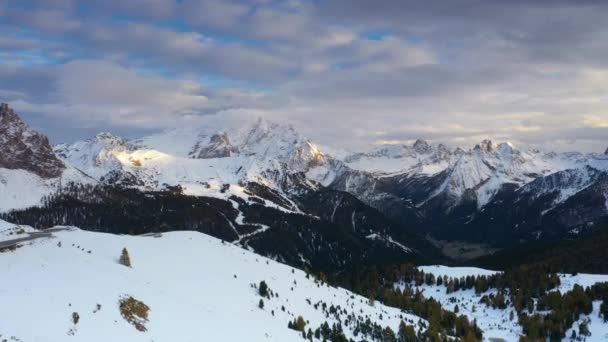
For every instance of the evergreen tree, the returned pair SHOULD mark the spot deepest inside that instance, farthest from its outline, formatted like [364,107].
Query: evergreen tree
[124,258]
[604,309]
[299,323]
[583,329]
[261,304]
[388,335]
[406,332]
[263,289]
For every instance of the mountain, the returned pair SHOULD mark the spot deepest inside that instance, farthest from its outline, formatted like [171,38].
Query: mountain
[83,293]
[201,160]
[481,195]
[421,158]
[29,169]
[493,194]
[23,148]
[245,184]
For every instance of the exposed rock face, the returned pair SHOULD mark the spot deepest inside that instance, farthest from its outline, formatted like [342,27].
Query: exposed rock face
[485,146]
[606,152]
[219,146]
[421,146]
[23,148]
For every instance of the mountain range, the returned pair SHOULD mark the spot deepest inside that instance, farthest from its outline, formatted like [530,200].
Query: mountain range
[265,186]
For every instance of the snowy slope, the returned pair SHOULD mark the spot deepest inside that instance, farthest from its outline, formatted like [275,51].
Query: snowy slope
[22,189]
[197,289]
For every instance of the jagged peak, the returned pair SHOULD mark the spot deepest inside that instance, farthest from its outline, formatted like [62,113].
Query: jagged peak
[220,138]
[5,111]
[106,136]
[485,145]
[421,145]
[23,148]
[507,144]
[506,147]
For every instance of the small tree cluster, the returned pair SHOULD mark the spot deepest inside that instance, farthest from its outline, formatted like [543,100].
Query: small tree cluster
[298,324]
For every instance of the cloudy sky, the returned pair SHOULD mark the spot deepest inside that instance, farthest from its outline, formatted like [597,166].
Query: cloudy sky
[347,73]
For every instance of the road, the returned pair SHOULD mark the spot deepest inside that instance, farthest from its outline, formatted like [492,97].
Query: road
[31,236]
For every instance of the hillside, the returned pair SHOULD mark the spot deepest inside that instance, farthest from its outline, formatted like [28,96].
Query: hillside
[197,286]
[587,254]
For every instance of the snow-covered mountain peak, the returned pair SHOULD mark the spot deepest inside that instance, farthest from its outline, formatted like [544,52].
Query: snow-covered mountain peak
[200,159]
[23,148]
[420,157]
[485,145]
[108,138]
[506,148]
[421,146]
[216,146]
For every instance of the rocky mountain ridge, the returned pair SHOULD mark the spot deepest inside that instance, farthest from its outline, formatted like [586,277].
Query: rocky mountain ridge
[23,148]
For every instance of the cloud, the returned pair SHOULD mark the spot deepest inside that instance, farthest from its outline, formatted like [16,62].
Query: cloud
[346,72]
[90,93]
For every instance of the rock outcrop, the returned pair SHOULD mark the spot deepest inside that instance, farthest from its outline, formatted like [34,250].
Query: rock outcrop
[23,148]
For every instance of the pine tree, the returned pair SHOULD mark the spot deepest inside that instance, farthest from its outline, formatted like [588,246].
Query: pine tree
[124,258]
[583,329]
[604,309]
[263,289]
[261,304]
[406,333]
[300,324]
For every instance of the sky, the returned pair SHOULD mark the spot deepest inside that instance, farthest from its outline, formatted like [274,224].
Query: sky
[347,73]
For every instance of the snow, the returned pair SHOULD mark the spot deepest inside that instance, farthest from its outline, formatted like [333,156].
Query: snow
[194,284]
[596,325]
[21,189]
[496,323]
[388,240]
[456,272]
[484,169]
[5,225]
[567,281]
[261,152]
[10,231]
[199,286]
[390,159]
